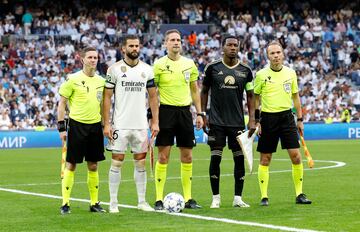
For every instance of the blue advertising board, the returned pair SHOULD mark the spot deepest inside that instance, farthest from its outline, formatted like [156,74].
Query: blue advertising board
[50,138]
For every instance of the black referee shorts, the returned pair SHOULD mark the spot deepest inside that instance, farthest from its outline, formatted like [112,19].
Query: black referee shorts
[274,126]
[84,140]
[175,122]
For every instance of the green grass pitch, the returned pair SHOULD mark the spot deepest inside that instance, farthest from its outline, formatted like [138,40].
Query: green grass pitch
[333,188]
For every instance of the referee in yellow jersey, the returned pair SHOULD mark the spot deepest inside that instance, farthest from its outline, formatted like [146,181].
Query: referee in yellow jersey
[176,78]
[84,91]
[276,90]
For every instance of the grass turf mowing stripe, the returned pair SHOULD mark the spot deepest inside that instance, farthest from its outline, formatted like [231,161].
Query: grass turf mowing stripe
[336,164]
[224,220]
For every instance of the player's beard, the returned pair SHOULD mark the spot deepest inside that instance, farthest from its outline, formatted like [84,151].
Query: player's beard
[132,55]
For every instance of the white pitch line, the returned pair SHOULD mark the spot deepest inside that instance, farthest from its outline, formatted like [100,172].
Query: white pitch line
[206,218]
[337,164]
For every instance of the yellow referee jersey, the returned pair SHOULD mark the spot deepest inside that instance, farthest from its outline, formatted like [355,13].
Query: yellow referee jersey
[85,95]
[173,80]
[276,88]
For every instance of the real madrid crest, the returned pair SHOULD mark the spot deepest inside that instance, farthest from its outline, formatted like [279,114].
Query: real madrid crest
[143,75]
[123,69]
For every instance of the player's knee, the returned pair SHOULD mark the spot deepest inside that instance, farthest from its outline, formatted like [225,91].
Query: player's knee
[163,158]
[186,154]
[295,156]
[116,164]
[237,153]
[71,166]
[140,165]
[216,153]
[186,158]
[265,159]
[296,159]
[92,166]
[215,161]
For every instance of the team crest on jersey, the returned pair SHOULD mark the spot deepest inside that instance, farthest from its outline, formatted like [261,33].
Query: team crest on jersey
[239,74]
[99,95]
[187,76]
[229,80]
[143,75]
[287,87]
[123,69]
[229,83]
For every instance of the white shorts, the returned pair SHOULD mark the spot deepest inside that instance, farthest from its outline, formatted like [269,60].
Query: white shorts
[137,140]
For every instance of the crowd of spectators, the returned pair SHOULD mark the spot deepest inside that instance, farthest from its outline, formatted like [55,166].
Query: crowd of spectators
[38,49]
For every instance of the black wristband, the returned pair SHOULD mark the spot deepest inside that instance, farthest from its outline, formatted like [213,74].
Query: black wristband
[300,119]
[257,115]
[202,114]
[149,114]
[61,126]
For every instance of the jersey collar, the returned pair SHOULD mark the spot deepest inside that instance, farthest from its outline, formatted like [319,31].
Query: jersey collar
[231,67]
[131,66]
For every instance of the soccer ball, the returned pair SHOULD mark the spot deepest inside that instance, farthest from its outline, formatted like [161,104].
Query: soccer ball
[174,203]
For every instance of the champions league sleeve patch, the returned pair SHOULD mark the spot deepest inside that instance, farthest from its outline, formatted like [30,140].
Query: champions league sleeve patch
[109,79]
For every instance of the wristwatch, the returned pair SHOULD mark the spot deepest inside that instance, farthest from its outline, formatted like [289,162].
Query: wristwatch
[202,114]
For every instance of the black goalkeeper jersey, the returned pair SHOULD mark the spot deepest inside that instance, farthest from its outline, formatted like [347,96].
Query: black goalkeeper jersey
[227,85]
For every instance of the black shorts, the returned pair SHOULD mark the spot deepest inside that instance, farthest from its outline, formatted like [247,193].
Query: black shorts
[274,126]
[175,121]
[217,137]
[84,140]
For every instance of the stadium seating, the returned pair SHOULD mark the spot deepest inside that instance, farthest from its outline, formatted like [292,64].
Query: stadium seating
[38,50]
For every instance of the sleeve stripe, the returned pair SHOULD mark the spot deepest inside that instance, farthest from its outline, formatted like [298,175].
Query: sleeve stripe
[64,96]
[110,82]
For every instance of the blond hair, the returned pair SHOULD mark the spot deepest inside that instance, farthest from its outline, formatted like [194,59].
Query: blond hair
[274,42]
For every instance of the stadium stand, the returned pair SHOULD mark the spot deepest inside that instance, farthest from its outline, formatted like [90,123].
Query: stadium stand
[38,47]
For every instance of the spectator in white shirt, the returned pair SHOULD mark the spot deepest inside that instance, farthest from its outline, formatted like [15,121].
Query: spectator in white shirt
[294,39]
[5,122]
[214,43]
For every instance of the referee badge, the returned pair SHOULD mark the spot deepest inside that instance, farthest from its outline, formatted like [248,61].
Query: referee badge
[123,69]
[287,87]
[99,95]
[187,76]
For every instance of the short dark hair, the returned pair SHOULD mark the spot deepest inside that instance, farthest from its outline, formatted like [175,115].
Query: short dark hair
[128,37]
[168,32]
[85,50]
[229,37]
